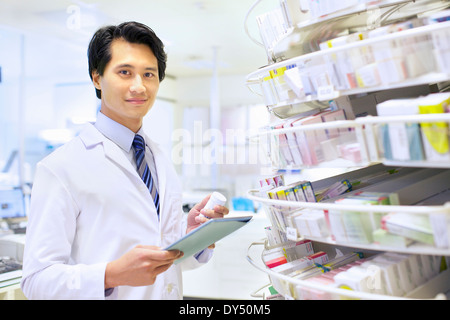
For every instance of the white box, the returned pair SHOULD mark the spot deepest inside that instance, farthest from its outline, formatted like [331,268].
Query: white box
[338,232]
[293,146]
[404,269]
[390,274]
[405,141]
[355,278]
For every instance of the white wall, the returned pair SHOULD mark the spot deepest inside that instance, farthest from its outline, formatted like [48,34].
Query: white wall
[195,91]
[237,104]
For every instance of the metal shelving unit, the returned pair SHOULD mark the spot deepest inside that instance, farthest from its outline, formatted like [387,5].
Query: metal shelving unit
[283,95]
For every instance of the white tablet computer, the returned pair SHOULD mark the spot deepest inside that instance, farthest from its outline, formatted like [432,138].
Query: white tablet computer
[207,234]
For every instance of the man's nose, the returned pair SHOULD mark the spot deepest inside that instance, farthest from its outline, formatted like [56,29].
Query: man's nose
[137,86]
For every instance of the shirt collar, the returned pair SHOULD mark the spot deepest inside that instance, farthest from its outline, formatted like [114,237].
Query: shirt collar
[114,131]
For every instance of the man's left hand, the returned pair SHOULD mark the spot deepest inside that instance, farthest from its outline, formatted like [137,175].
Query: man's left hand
[195,218]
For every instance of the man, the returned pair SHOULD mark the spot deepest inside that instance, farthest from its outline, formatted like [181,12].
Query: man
[104,204]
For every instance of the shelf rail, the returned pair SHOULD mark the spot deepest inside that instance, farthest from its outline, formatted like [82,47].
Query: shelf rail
[419,31]
[365,129]
[444,209]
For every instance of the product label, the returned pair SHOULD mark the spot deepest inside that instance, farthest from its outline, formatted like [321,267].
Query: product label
[291,233]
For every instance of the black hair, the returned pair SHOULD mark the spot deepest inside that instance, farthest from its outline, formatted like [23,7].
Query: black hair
[99,50]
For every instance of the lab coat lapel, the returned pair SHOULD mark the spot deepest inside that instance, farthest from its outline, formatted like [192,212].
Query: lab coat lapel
[91,136]
[116,155]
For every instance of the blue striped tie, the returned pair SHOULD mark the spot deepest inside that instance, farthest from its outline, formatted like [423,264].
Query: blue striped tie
[143,169]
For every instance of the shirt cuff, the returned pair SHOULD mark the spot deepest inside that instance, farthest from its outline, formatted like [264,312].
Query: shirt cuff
[108,292]
[204,255]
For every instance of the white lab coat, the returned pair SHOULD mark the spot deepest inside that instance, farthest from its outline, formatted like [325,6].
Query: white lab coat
[88,207]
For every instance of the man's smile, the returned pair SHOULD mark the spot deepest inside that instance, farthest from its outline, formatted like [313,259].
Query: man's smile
[137,100]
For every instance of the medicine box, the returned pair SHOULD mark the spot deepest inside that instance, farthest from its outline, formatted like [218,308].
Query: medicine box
[390,274]
[293,78]
[402,264]
[335,189]
[400,141]
[309,140]
[311,223]
[359,226]
[301,263]
[302,248]
[285,151]
[435,135]
[384,238]
[275,236]
[276,262]
[355,278]
[292,145]
[413,187]
[413,226]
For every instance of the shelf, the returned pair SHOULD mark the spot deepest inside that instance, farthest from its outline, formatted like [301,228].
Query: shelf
[433,77]
[415,248]
[360,225]
[322,67]
[352,11]
[312,27]
[444,209]
[362,134]
[434,289]
[316,77]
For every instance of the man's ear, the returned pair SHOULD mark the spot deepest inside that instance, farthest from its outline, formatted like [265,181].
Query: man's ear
[96,80]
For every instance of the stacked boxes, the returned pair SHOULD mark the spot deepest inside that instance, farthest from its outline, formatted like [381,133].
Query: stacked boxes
[377,63]
[390,273]
[312,145]
[403,141]
[385,227]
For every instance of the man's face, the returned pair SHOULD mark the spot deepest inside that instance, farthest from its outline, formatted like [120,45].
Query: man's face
[129,83]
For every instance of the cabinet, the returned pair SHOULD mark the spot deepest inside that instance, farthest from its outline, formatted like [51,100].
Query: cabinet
[351,85]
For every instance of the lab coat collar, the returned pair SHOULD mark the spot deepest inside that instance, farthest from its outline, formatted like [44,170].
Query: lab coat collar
[114,131]
[91,136]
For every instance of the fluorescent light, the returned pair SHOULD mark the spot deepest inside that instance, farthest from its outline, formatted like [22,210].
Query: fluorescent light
[204,64]
[81,120]
[56,135]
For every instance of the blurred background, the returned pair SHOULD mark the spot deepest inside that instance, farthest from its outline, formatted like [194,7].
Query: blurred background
[46,94]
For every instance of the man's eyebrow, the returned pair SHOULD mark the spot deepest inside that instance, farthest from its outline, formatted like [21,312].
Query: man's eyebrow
[126,65]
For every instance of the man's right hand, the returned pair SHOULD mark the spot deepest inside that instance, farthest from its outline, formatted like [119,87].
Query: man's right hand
[139,266]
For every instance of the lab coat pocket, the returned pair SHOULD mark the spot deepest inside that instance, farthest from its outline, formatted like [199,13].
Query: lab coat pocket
[173,286]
